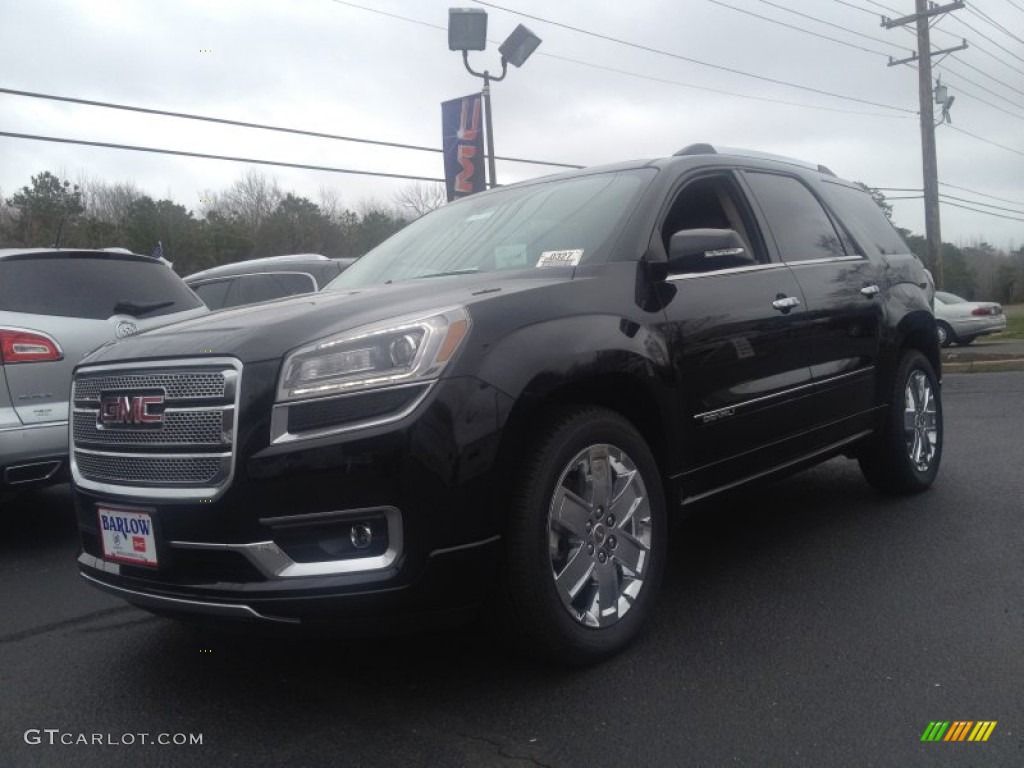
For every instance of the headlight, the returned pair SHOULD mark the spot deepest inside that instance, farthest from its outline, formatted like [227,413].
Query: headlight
[403,349]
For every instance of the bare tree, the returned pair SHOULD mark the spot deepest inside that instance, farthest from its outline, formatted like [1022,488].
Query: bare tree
[252,199]
[329,200]
[419,198]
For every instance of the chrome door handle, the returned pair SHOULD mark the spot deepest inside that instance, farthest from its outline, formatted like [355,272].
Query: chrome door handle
[786,303]
[869,290]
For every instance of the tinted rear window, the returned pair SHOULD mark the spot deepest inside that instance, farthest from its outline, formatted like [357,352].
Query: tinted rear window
[89,287]
[864,218]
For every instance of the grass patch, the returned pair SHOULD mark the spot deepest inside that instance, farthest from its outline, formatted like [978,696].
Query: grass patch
[1014,323]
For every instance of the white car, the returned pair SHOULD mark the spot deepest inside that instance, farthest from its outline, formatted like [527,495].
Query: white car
[960,321]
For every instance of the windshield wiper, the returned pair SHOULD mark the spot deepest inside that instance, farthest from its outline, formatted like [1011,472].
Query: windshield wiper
[463,271]
[137,309]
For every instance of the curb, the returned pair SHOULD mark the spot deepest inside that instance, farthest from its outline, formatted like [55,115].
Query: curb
[984,366]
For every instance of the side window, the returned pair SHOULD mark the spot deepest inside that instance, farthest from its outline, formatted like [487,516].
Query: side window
[800,225]
[711,202]
[864,218]
[254,288]
[214,294]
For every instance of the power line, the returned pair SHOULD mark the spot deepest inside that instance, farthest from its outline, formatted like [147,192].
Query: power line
[987,141]
[968,94]
[953,186]
[990,77]
[975,11]
[260,126]
[987,213]
[830,24]
[979,85]
[660,52]
[1011,2]
[982,194]
[984,205]
[982,34]
[799,29]
[858,7]
[640,76]
[204,156]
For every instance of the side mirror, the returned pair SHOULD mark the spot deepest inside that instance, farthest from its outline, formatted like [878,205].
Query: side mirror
[705,250]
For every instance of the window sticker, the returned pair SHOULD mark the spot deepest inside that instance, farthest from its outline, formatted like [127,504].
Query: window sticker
[510,256]
[560,258]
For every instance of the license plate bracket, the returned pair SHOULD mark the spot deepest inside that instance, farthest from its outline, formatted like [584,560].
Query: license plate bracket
[127,535]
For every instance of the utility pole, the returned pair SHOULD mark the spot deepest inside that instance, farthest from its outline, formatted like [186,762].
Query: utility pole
[924,11]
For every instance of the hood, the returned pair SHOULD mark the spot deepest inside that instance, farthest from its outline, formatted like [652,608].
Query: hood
[267,331]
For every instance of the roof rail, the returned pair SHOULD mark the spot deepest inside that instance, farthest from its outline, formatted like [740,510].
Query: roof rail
[696,149]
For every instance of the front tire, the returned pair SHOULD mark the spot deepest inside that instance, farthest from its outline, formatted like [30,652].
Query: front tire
[586,538]
[905,454]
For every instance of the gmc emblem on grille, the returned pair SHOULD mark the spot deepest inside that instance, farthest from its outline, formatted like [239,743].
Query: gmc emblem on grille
[129,410]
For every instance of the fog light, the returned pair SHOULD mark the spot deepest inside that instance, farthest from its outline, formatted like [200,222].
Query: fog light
[361,536]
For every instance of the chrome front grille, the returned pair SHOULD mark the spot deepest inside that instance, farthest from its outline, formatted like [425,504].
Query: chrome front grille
[182,385]
[203,427]
[175,470]
[184,446]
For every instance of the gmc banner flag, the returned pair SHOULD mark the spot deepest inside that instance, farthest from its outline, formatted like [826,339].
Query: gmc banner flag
[462,126]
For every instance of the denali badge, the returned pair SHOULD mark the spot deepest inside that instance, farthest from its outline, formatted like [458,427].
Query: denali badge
[129,410]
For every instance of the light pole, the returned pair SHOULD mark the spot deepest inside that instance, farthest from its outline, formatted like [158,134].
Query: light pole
[467,31]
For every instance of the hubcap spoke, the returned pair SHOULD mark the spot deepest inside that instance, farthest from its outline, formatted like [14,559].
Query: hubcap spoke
[570,512]
[575,574]
[599,535]
[920,420]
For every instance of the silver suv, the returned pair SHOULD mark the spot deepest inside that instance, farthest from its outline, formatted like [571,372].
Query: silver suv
[56,306]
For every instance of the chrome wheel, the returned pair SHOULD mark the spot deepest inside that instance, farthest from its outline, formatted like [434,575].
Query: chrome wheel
[599,535]
[943,334]
[920,420]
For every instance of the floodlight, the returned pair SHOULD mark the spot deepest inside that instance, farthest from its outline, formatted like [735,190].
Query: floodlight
[467,29]
[518,46]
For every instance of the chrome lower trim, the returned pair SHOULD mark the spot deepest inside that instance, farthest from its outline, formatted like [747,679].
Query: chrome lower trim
[161,602]
[831,448]
[730,410]
[279,433]
[42,425]
[460,547]
[275,564]
[54,463]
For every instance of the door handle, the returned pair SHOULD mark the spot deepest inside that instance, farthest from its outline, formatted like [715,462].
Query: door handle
[786,303]
[869,290]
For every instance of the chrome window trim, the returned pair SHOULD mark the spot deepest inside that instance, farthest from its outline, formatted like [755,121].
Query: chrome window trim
[279,434]
[730,271]
[729,410]
[232,369]
[275,564]
[208,280]
[826,260]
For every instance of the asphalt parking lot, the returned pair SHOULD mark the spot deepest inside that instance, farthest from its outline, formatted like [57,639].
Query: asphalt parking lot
[810,623]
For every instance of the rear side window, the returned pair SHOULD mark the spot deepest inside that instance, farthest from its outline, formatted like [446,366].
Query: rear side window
[864,218]
[91,286]
[214,294]
[801,228]
[249,289]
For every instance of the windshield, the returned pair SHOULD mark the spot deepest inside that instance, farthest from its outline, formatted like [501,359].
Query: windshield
[563,221]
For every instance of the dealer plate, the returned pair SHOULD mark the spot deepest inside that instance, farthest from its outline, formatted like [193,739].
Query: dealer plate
[127,535]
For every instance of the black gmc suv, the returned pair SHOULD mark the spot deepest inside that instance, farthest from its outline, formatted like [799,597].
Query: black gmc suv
[500,405]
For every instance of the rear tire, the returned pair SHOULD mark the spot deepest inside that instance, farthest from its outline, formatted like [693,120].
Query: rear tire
[586,540]
[945,333]
[905,454]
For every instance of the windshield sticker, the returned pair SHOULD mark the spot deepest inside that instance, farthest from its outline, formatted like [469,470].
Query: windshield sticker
[510,256]
[560,258]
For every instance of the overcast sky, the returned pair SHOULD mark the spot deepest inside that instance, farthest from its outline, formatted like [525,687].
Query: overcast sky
[330,66]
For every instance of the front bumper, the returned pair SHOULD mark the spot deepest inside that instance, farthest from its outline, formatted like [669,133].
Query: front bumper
[274,546]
